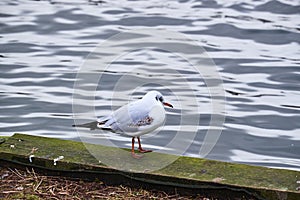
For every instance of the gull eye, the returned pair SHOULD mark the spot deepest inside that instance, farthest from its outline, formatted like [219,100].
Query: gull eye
[161,99]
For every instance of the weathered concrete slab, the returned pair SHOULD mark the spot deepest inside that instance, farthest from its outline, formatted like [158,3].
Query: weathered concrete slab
[186,174]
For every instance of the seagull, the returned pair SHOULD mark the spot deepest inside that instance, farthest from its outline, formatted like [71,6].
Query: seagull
[137,118]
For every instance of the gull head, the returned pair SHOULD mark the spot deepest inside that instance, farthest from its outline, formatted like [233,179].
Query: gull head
[157,96]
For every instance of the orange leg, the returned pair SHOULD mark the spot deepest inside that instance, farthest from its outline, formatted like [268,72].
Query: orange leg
[133,154]
[140,147]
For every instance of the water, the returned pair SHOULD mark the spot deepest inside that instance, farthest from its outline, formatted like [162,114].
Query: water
[255,46]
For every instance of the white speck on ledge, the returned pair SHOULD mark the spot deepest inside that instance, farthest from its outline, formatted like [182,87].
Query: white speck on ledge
[57,159]
[30,158]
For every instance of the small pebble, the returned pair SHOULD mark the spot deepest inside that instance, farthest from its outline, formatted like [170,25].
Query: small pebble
[218,180]
[20,188]
[4,176]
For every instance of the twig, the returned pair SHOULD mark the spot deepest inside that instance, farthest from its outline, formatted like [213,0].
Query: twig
[38,185]
[72,194]
[9,192]
[16,173]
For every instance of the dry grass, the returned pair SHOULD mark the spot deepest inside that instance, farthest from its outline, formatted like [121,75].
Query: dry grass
[27,184]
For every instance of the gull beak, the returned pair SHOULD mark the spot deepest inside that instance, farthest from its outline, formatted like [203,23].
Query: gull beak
[168,104]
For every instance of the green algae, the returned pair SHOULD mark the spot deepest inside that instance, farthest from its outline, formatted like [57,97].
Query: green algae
[266,182]
[233,173]
[83,153]
[47,148]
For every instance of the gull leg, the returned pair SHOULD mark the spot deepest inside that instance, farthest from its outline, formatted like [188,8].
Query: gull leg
[140,147]
[133,154]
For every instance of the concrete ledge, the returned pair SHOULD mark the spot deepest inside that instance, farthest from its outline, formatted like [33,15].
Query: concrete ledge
[187,175]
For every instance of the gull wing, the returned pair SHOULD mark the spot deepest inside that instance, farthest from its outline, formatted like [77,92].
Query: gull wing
[128,118]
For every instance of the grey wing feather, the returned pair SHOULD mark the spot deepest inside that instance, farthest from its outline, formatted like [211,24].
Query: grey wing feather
[127,118]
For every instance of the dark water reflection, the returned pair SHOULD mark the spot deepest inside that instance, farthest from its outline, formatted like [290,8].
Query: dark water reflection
[255,46]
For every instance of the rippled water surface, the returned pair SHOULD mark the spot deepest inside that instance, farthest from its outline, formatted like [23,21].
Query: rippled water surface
[255,46]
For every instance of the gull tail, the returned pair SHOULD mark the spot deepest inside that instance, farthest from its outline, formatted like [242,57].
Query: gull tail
[90,125]
[101,125]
